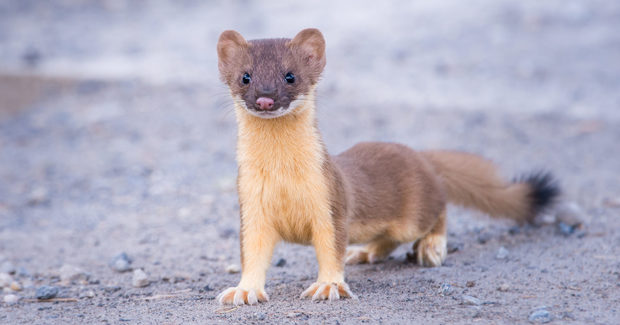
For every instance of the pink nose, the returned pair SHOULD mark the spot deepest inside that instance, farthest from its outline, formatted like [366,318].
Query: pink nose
[264,103]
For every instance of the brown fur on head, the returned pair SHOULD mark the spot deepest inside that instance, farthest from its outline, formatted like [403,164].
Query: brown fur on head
[263,68]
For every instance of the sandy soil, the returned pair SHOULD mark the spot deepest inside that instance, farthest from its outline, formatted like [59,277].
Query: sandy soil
[116,136]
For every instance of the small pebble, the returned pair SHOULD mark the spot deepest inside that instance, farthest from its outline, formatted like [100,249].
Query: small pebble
[111,289]
[565,229]
[139,279]
[545,219]
[233,268]
[207,288]
[470,284]
[11,299]
[46,292]
[454,247]
[228,233]
[570,213]
[38,196]
[446,289]
[281,262]
[5,280]
[15,286]
[261,316]
[504,287]
[514,230]
[483,238]
[120,262]
[469,300]
[70,274]
[22,271]
[540,316]
[502,253]
[89,294]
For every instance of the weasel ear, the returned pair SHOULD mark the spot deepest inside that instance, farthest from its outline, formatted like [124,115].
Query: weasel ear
[311,45]
[230,49]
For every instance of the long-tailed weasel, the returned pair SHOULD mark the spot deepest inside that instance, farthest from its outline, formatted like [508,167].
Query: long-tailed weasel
[380,194]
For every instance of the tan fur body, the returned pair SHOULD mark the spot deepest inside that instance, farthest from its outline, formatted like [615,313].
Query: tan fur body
[378,194]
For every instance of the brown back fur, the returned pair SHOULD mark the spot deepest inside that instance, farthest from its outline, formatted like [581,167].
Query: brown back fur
[391,191]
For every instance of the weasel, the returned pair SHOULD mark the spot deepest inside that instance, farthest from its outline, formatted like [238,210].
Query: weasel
[379,194]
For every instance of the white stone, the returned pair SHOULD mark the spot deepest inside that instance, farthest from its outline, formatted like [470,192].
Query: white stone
[504,287]
[139,279]
[89,294]
[70,273]
[11,299]
[502,253]
[5,280]
[570,213]
[233,268]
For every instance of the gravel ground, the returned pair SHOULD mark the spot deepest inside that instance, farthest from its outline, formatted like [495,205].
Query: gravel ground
[116,136]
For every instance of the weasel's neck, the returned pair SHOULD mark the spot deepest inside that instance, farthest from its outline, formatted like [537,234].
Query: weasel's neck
[289,144]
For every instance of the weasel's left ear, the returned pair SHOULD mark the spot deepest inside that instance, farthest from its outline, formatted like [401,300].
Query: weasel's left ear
[231,53]
[310,44]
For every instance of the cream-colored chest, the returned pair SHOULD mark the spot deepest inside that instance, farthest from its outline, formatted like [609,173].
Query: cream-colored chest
[290,202]
[281,180]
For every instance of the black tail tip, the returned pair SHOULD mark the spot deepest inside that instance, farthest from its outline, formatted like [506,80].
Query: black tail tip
[545,190]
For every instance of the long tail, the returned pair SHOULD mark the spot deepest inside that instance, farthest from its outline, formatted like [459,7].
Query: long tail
[472,181]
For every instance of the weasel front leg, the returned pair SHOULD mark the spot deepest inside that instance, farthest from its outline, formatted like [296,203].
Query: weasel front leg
[258,240]
[330,255]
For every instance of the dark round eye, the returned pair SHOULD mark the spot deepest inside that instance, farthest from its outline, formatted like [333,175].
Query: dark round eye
[290,77]
[246,78]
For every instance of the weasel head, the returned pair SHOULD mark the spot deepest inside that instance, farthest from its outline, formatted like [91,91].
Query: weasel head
[270,78]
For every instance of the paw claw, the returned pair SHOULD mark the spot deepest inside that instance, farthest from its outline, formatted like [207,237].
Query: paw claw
[328,291]
[252,299]
[333,292]
[431,250]
[345,291]
[317,294]
[310,291]
[239,296]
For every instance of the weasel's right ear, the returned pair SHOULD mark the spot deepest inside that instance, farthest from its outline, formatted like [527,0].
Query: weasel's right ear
[310,44]
[231,52]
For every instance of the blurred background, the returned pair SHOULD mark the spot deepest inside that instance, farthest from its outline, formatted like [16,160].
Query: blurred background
[520,56]
[116,134]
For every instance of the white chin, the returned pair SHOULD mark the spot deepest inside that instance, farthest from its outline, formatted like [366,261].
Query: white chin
[269,114]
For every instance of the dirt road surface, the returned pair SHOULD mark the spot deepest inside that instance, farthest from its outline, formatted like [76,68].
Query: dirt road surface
[117,136]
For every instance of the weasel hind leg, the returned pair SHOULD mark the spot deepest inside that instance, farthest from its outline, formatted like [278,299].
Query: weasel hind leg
[431,250]
[376,251]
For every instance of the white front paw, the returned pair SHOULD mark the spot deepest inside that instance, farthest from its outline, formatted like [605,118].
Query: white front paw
[238,296]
